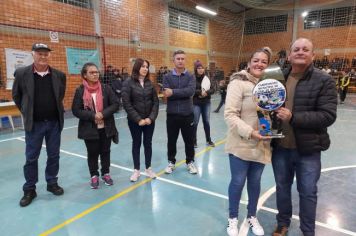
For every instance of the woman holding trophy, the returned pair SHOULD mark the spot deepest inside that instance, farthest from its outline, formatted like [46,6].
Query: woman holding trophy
[248,149]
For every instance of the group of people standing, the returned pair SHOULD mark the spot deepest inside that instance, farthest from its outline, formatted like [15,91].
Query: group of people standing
[310,108]
[39,90]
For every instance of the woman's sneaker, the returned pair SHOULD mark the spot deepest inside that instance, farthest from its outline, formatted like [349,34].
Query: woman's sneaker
[232,229]
[210,143]
[107,180]
[134,177]
[94,182]
[255,226]
[150,173]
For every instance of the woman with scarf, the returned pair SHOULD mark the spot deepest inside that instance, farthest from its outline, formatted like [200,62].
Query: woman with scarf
[248,150]
[95,104]
[201,102]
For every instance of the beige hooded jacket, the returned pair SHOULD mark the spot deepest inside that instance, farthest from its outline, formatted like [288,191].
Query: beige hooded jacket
[241,118]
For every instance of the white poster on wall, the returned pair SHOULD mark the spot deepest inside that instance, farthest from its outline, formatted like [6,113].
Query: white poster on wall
[15,59]
[54,37]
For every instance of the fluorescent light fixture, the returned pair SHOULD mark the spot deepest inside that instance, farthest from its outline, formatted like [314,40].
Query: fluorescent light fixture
[206,10]
[304,14]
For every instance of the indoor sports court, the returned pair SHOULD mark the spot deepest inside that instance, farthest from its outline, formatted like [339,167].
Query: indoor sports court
[113,34]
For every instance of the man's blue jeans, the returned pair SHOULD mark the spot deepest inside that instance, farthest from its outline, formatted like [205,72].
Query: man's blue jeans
[240,170]
[50,131]
[287,163]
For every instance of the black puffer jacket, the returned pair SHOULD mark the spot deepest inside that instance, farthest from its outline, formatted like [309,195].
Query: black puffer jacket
[314,109]
[140,102]
[197,100]
[87,129]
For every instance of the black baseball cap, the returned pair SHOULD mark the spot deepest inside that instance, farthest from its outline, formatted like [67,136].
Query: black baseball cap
[39,46]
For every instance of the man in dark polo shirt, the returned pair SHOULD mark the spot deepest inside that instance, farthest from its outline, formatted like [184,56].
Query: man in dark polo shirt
[38,92]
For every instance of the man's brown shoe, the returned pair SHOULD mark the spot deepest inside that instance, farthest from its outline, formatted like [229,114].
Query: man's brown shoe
[280,231]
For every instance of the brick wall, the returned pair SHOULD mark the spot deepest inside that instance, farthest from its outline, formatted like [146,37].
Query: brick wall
[46,14]
[179,38]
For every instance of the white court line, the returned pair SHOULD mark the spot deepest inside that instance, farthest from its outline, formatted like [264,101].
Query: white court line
[337,168]
[70,127]
[244,226]
[345,109]
[348,121]
[9,139]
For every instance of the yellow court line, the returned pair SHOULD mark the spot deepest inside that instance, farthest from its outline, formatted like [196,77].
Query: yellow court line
[118,195]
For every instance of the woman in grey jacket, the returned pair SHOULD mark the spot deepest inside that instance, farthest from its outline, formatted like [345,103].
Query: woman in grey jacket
[140,101]
[95,104]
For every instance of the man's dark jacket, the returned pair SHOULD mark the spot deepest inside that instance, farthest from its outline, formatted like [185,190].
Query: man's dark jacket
[23,95]
[314,109]
[183,87]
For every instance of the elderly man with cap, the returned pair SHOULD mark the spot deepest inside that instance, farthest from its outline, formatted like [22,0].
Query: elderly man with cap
[38,92]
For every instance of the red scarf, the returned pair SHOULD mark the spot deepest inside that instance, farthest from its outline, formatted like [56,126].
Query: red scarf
[87,97]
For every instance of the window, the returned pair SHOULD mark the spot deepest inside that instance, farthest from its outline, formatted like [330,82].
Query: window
[78,3]
[270,24]
[186,21]
[342,16]
[334,17]
[326,18]
[312,20]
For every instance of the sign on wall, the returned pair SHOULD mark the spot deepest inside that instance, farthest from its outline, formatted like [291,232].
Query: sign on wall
[54,37]
[15,59]
[77,57]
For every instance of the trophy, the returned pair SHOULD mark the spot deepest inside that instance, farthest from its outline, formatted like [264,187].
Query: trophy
[269,94]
